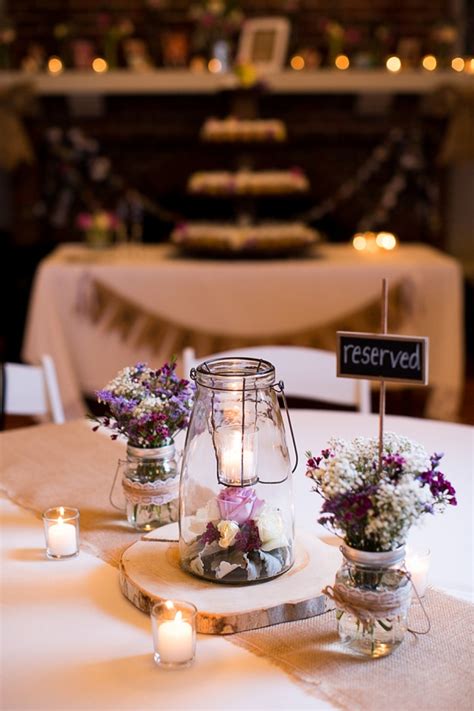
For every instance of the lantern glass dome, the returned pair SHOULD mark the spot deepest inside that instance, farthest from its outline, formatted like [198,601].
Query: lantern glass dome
[236,501]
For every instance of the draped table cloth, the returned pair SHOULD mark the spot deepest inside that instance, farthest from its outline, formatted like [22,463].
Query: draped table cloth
[71,641]
[97,311]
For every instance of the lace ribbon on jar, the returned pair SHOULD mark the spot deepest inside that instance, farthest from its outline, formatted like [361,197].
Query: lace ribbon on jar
[156,493]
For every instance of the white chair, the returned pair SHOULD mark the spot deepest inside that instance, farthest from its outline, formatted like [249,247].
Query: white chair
[306,373]
[32,390]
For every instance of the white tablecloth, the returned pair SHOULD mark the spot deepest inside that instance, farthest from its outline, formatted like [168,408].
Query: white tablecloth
[70,641]
[245,299]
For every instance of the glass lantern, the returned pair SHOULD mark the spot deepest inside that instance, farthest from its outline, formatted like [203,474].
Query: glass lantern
[236,499]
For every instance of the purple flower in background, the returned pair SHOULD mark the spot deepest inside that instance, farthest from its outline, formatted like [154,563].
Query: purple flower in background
[239,504]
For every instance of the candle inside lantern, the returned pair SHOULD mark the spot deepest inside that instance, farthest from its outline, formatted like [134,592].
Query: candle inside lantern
[236,457]
[174,633]
[61,532]
[417,563]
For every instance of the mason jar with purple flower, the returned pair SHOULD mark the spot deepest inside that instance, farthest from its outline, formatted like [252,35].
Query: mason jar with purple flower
[148,407]
[371,502]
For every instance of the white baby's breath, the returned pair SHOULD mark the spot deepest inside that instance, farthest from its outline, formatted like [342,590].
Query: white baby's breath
[391,500]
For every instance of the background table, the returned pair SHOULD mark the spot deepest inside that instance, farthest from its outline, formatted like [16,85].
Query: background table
[159,302]
[71,641]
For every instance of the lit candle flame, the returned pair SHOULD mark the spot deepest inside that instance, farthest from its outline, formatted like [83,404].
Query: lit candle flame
[179,616]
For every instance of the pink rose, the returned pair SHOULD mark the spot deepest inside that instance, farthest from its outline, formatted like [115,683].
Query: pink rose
[239,504]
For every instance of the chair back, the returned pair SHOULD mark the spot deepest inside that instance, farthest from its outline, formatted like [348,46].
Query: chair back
[32,390]
[307,373]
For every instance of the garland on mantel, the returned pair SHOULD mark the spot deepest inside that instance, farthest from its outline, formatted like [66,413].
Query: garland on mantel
[406,149]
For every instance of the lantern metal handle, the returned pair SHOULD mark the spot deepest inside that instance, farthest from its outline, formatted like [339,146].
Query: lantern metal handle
[280,388]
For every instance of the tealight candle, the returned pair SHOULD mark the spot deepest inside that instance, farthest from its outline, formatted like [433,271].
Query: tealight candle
[61,529]
[237,457]
[417,562]
[174,633]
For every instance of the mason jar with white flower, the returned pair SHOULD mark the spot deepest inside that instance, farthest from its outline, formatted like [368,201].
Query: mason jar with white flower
[371,502]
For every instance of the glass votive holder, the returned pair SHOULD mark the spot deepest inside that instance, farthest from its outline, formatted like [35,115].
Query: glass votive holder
[174,633]
[61,531]
[417,562]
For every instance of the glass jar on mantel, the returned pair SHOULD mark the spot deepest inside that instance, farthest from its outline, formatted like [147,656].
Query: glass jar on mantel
[236,501]
[372,594]
[150,484]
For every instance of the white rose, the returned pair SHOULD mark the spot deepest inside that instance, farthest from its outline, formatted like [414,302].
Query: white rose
[271,529]
[228,531]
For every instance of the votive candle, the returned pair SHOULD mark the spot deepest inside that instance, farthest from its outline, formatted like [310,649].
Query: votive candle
[174,633]
[61,529]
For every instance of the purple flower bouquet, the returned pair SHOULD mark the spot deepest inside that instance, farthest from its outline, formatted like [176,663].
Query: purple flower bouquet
[148,407]
[373,509]
[372,506]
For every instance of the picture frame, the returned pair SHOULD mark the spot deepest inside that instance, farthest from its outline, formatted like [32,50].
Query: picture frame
[264,43]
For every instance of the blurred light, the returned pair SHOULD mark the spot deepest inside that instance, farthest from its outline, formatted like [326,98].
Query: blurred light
[214,65]
[393,64]
[297,63]
[55,66]
[457,64]
[99,65]
[359,242]
[386,240]
[469,66]
[197,64]
[342,61]
[372,245]
[429,62]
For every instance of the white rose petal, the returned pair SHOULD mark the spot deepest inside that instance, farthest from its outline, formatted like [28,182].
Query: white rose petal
[271,529]
[228,531]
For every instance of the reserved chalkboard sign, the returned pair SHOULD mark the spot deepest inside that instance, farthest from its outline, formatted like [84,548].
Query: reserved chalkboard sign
[382,357]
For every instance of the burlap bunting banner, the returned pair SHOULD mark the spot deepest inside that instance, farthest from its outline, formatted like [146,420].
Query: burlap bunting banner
[144,329]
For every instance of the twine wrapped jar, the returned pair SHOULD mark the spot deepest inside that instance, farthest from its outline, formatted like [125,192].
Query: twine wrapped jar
[372,594]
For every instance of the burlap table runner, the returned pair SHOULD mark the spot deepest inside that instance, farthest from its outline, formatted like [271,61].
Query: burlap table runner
[426,673]
[68,466]
[72,466]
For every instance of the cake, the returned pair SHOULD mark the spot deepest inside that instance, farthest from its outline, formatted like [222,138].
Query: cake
[247,130]
[271,237]
[248,182]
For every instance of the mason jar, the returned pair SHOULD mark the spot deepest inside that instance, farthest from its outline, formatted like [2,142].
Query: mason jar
[150,483]
[372,594]
[236,500]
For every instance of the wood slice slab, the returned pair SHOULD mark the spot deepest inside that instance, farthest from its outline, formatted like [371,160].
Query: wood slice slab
[150,572]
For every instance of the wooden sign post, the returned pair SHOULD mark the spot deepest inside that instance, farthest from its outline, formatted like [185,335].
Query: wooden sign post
[384,329]
[384,357]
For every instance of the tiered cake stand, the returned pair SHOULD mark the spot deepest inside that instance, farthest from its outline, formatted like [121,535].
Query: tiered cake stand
[245,236]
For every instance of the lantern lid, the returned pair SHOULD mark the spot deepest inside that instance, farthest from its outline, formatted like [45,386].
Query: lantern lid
[234,374]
